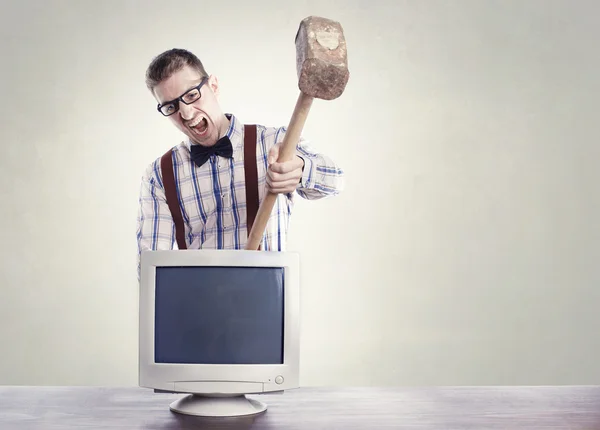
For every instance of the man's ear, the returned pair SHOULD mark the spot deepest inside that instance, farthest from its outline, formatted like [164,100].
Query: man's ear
[213,83]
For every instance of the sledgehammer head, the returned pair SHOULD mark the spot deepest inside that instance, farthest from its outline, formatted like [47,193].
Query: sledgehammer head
[321,58]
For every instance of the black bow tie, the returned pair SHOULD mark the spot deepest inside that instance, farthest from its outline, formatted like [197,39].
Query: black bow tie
[223,147]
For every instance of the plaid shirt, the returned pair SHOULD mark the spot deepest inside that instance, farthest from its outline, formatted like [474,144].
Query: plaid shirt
[213,196]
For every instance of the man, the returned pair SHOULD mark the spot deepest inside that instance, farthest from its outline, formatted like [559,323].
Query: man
[211,186]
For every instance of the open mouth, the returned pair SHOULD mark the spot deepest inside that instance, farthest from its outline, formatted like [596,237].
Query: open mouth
[199,125]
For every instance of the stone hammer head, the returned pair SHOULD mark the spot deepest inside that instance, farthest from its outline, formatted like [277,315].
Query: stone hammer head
[321,58]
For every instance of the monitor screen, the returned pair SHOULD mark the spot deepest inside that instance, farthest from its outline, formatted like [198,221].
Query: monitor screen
[219,315]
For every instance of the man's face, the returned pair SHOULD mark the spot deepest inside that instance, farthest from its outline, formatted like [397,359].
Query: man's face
[202,120]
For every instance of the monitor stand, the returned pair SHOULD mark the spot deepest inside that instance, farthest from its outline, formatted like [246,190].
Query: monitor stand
[217,406]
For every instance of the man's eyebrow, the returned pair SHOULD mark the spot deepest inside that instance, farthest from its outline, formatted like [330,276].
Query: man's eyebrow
[190,88]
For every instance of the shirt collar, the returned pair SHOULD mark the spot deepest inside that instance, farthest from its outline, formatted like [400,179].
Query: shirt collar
[236,135]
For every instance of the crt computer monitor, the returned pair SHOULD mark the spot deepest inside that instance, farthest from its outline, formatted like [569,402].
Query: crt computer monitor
[217,325]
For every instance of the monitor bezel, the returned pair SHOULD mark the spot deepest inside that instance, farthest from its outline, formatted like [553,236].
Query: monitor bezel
[261,377]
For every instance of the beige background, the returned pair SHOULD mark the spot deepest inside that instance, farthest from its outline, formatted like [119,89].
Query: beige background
[464,250]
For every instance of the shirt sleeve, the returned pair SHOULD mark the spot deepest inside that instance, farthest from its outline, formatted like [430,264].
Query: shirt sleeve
[321,177]
[155,226]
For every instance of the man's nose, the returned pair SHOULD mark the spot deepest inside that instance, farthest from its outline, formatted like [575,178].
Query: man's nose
[185,111]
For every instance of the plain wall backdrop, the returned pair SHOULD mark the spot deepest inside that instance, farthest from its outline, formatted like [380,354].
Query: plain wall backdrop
[464,249]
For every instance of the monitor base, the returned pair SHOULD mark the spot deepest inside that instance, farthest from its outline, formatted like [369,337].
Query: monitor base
[206,406]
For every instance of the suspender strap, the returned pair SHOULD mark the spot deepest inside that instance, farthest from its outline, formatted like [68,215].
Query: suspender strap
[166,165]
[251,174]
[251,179]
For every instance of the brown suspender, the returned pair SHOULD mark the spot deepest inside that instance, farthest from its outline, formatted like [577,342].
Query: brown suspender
[166,165]
[251,174]
[251,177]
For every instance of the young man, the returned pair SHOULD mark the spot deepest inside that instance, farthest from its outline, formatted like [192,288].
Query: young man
[208,167]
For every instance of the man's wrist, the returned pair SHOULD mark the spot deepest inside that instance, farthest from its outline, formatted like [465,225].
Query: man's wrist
[305,179]
[303,164]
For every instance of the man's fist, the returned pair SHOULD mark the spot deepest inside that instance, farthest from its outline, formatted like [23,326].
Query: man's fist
[283,177]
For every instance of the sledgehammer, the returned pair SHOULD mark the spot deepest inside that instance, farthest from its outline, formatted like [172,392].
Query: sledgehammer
[322,67]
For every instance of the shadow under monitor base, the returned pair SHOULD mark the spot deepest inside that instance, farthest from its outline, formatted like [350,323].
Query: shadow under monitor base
[205,406]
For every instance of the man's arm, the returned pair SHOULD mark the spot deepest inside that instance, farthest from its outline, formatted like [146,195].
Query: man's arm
[321,176]
[155,226]
[311,174]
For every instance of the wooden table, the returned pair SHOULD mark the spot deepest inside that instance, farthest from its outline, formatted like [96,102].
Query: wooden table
[440,408]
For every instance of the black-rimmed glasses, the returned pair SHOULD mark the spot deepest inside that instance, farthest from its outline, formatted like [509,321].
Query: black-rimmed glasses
[189,97]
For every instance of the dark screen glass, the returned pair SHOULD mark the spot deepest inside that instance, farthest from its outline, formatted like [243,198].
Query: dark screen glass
[219,315]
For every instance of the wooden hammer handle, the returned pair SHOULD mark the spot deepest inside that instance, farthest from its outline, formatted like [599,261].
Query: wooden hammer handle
[287,151]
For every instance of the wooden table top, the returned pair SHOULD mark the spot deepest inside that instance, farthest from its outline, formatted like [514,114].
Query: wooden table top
[510,408]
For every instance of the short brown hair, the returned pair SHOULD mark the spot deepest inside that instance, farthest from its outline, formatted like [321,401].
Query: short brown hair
[169,62]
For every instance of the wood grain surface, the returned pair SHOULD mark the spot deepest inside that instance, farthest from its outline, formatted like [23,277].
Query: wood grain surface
[52,408]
